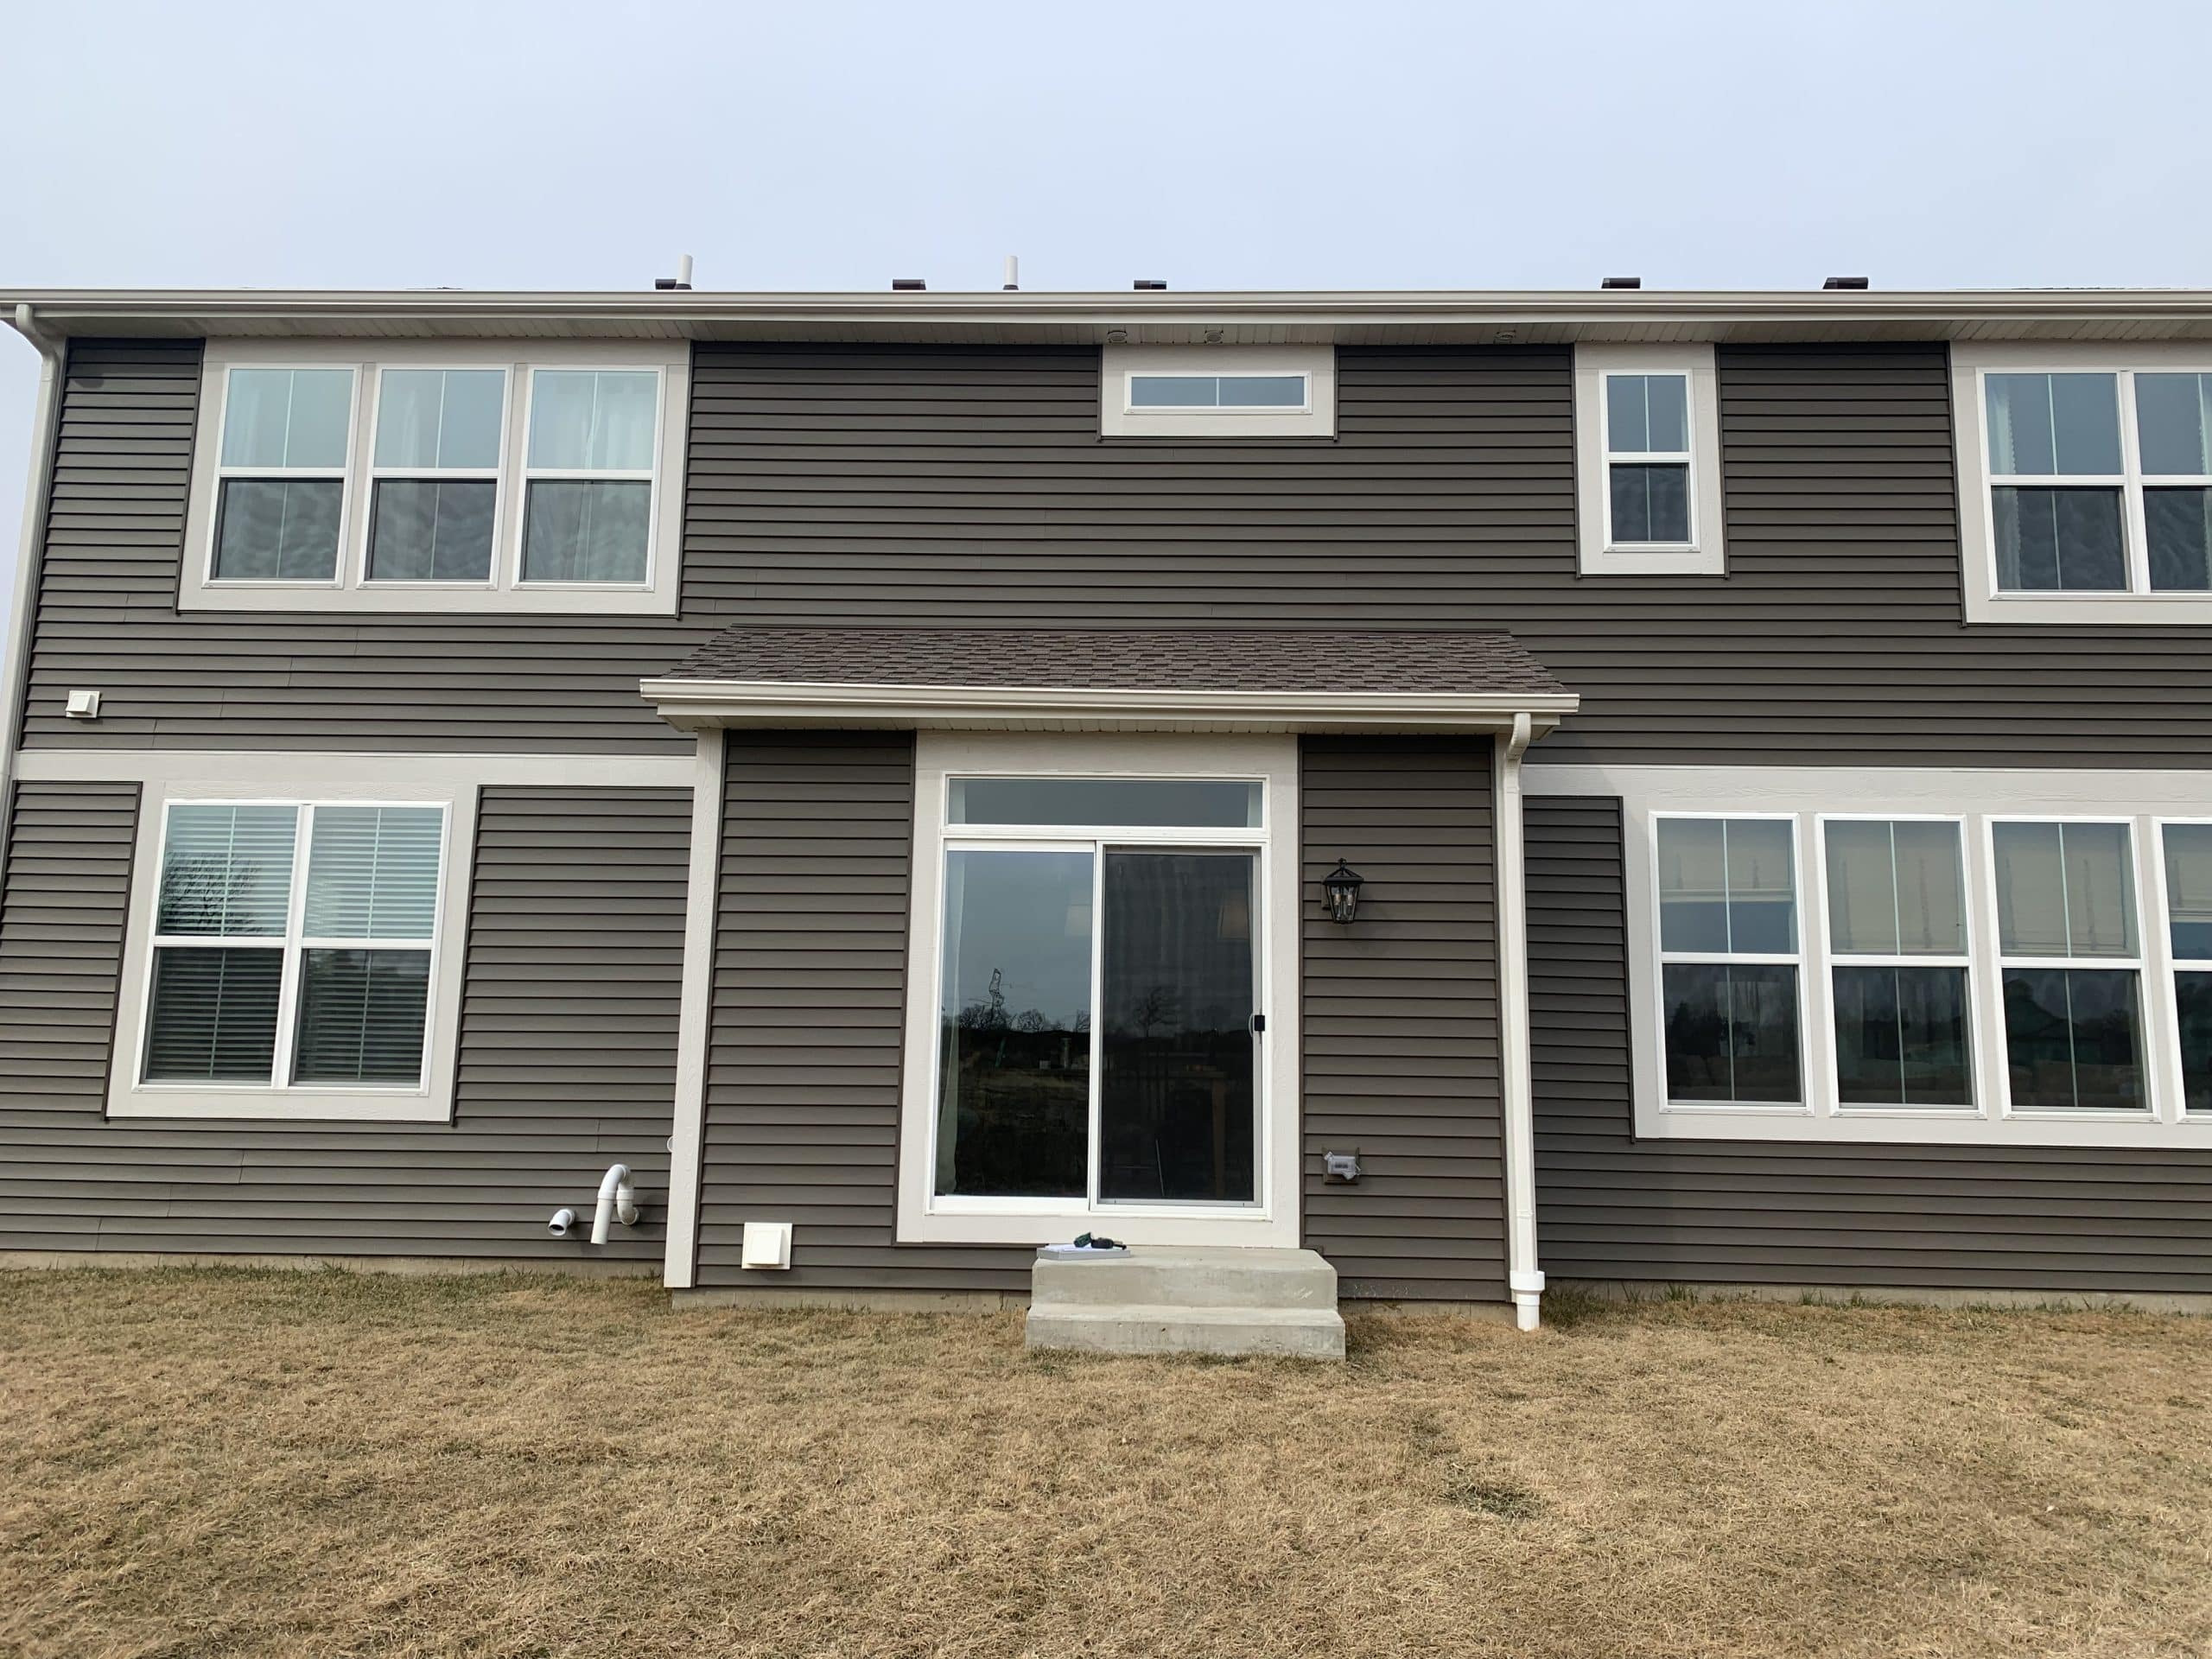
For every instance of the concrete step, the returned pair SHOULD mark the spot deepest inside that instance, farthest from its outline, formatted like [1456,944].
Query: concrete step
[1160,1275]
[1160,1328]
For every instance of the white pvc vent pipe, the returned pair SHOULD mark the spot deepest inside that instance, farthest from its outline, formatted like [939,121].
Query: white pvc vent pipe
[617,1200]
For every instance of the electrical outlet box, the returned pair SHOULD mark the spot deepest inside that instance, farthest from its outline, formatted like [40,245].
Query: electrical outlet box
[767,1245]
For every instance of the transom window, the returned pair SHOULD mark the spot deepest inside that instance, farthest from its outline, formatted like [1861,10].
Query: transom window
[295,945]
[437,478]
[1218,392]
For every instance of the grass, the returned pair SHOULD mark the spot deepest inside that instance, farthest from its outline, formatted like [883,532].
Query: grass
[200,1462]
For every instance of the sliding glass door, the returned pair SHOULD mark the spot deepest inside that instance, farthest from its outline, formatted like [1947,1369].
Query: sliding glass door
[1098,1041]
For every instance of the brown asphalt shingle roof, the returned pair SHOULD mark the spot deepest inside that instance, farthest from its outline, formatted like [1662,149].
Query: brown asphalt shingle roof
[1184,660]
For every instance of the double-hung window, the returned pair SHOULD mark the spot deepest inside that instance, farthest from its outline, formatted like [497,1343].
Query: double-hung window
[1898,953]
[1729,959]
[2088,483]
[288,960]
[438,478]
[1648,460]
[2188,922]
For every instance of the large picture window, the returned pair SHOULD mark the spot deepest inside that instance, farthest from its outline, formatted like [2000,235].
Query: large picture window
[469,476]
[1094,951]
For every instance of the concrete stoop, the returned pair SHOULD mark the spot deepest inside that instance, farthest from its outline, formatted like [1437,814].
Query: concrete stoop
[1159,1300]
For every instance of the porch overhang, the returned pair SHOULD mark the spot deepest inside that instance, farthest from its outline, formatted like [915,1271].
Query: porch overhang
[1104,681]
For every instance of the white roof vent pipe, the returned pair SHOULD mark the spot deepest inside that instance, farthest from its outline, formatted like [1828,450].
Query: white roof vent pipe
[679,283]
[618,1199]
[1013,283]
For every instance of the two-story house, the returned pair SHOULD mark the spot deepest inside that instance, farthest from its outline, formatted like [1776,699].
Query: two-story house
[1622,786]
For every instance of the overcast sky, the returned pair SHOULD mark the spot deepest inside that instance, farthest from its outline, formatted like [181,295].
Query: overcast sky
[1269,144]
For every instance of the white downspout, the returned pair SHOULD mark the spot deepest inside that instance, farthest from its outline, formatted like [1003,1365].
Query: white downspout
[616,1197]
[45,423]
[1523,1278]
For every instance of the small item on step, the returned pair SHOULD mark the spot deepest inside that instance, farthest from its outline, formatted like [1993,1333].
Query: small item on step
[1086,1245]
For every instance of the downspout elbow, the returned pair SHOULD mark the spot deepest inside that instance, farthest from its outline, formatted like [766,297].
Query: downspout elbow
[618,1200]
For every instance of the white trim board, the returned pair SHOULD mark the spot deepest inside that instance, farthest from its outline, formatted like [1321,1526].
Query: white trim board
[390,769]
[1272,760]
[1977,796]
[695,1017]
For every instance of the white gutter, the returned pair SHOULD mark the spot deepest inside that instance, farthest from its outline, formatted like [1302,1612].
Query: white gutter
[46,421]
[1523,1278]
[698,704]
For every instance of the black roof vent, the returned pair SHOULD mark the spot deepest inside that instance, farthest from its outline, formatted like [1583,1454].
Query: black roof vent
[1845,282]
[1622,281]
[907,285]
[1149,285]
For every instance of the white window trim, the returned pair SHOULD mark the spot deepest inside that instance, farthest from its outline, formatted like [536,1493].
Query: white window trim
[926,1218]
[1119,418]
[275,780]
[1971,363]
[1973,796]
[2174,964]
[506,593]
[1705,554]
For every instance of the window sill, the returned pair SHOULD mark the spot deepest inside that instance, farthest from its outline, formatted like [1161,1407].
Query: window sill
[373,599]
[1653,561]
[282,1106]
[2092,609]
[1133,1224]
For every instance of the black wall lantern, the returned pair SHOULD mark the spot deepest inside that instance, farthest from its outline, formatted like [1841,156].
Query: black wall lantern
[1342,886]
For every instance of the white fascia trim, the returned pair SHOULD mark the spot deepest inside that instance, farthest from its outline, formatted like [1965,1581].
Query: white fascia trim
[381,769]
[924,1218]
[695,1015]
[505,594]
[46,419]
[694,703]
[1708,554]
[1974,795]
[1970,361]
[1524,1279]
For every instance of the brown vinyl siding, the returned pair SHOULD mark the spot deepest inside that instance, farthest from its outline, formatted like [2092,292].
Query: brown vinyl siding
[1399,1018]
[566,1065]
[832,483]
[806,1051]
[1610,1207]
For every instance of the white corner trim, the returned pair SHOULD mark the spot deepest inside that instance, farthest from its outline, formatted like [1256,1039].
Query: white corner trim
[505,594]
[1317,418]
[1974,795]
[432,1102]
[693,703]
[1706,554]
[1275,1219]
[1524,1281]
[695,1015]
[1973,360]
[30,556]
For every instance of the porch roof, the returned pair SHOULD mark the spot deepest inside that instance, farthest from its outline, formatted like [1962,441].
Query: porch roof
[1107,680]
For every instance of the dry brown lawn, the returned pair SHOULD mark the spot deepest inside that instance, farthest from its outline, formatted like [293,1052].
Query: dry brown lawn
[201,1463]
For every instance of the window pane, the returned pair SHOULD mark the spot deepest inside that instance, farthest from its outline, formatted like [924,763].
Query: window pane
[269,530]
[2171,422]
[1647,414]
[2071,1038]
[439,418]
[601,420]
[361,1016]
[1732,1032]
[1176,1118]
[287,417]
[213,1015]
[372,872]
[1650,504]
[1152,803]
[2064,889]
[2041,425]
[1896,888]
[2055,541]
[574,530]
[1174,391]
[1263,391]
[423,530]
[1013,1102]
[2189,889]
[1762,886]
[2193,998]
[2179,522]
[1901,1037]
[227,870]
[1693,886]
